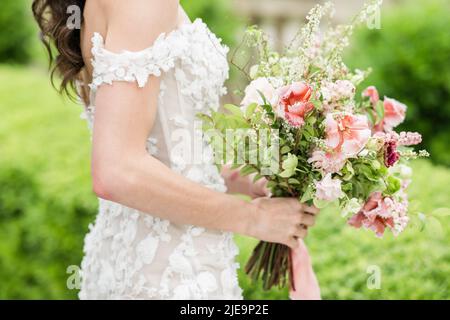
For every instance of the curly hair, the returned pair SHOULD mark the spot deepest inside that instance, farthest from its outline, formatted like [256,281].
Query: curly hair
[52,17]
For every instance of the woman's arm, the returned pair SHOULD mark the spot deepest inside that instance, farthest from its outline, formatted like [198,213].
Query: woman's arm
[124,172]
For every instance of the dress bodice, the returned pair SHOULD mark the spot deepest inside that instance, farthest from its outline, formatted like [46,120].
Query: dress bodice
[131,254]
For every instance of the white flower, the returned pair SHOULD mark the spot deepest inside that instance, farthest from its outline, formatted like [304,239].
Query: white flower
[341,89]
[345,88]
[328,189]
[256,88]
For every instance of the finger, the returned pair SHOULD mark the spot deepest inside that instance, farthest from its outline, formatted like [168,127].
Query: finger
[259,185]
[262,183]
[296,205]
[293,243]
[260,188]
[292,202]
[310,209]
[266,190]
[301,232]
[308,220]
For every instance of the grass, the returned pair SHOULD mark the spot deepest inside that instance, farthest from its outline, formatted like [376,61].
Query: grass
[42,134]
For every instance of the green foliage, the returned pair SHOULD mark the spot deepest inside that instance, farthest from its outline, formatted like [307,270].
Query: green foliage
[289,166]
[410,57]
[41,236]
[15,31]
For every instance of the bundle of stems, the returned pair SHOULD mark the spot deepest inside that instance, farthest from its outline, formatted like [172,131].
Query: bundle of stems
[271,262]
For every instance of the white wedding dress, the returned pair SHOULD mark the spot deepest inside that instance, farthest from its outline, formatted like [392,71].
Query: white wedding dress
[135,255]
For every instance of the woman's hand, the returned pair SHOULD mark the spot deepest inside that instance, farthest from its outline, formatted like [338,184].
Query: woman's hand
[244,184]
[282,220]
[259,189]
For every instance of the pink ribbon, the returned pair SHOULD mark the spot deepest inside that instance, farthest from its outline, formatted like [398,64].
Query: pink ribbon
[305,280]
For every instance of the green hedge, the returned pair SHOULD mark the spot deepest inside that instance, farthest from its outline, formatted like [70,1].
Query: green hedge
[44,208]
[15,31]
[40,237]
[218,15]
[410,57]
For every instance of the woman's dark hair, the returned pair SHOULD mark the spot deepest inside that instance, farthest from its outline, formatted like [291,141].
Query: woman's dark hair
[52,17]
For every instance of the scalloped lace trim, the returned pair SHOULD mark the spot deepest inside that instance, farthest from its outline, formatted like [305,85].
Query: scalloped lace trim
[139,65]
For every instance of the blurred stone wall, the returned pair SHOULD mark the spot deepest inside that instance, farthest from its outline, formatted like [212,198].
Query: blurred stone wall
[282,18]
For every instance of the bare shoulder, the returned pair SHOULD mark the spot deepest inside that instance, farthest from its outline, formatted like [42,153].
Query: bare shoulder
[135,24]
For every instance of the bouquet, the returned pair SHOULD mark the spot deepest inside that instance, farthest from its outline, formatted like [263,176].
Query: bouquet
[302,127]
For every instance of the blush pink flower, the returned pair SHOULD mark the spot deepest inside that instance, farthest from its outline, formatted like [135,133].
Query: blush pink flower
[346,133]
[409,138]
[372,93]
[328,189]
[294,103]
[336,91]
[328,162]
[394,113]
[403,138]
[380,213]
[374,216]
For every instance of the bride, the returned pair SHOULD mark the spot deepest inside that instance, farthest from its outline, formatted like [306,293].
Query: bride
[165,224]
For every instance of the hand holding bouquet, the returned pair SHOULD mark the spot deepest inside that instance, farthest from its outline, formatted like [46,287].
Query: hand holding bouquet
[302,127]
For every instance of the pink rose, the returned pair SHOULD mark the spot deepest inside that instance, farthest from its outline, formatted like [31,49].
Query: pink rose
[372,93]
[394,113]
[346,133]
[294,103]
[328,189]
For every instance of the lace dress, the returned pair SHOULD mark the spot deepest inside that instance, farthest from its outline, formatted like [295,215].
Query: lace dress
[134,255]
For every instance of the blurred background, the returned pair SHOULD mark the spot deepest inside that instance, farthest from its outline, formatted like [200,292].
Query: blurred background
[46,202]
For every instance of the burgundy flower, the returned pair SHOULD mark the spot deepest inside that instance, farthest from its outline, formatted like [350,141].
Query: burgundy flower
[391,156]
